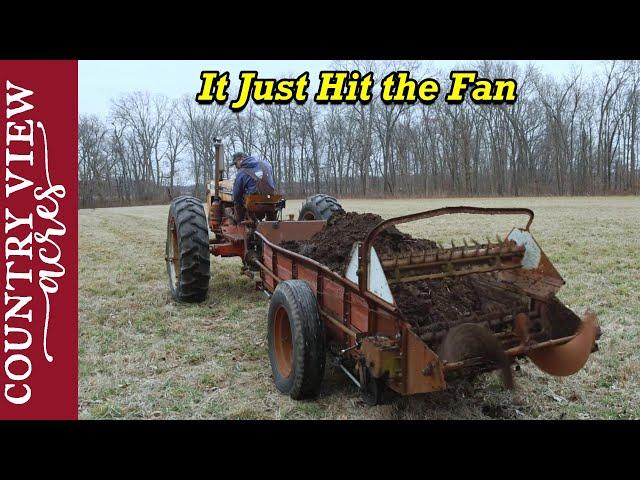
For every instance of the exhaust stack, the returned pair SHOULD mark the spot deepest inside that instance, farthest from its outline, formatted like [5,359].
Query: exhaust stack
[219,166]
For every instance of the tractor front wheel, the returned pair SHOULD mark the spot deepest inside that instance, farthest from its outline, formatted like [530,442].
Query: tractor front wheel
[296,340]
[187,250]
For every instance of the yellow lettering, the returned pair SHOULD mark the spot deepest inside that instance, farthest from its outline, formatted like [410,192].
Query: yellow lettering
[428,90]
[331,82]
[205,94]
[460,84]
[482,91]
[302,82]
[211,81]
[245,88]
[509,86]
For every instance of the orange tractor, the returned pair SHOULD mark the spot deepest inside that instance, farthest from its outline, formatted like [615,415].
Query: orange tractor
[189,243]
[315,311]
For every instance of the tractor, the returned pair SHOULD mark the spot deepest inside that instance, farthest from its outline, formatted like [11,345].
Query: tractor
[189,244]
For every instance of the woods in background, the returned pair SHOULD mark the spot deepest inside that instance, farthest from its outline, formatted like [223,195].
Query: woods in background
[572,136]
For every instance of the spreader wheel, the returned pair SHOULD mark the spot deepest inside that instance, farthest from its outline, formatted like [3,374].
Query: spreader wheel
[296,340]
[319,207]
[187,250]
[371,389]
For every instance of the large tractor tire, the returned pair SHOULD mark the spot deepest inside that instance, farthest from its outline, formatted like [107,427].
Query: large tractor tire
[296,340]
[319,207]
[187,250]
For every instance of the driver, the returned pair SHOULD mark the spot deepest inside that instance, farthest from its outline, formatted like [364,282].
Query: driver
[255,175]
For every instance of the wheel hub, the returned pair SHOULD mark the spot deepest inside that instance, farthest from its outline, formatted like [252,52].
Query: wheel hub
[283,342]
[173,254]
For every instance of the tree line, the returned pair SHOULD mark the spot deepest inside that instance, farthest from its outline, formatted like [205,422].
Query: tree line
[576,135]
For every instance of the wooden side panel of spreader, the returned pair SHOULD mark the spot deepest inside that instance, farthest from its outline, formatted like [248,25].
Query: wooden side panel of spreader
[267,257]
[336,298]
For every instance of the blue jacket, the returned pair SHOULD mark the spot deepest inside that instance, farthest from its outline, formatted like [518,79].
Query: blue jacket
[244,184]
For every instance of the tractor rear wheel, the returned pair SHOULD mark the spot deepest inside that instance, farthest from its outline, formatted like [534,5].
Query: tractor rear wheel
[296,340]
[319,207]
[187,250]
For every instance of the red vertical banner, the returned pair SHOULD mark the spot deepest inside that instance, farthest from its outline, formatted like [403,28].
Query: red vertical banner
[39,335]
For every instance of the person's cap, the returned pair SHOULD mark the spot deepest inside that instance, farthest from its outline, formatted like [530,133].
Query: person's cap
[239,156]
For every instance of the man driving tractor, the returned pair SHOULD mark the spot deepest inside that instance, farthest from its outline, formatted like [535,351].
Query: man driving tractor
[255,175]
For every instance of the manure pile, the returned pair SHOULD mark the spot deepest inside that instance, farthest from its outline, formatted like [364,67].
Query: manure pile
[421,302]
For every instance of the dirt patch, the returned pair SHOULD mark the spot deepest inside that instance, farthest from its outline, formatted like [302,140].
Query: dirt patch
[498,411]
[332,245]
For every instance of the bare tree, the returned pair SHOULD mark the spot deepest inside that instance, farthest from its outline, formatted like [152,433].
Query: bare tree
[569,136]
[176,142]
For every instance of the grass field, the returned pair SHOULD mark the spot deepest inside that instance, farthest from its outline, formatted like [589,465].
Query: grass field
[144,356]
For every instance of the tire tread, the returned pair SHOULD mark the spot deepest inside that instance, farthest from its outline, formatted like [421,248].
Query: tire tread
[193,241]
[321,205]
[309,342]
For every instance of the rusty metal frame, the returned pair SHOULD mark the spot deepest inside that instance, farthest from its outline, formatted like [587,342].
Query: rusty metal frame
[512,352]
[365,246]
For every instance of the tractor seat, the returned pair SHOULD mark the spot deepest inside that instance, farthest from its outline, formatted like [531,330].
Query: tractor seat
[257,202]
[264,206]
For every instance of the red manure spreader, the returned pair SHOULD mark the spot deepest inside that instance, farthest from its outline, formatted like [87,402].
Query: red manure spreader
[356,315]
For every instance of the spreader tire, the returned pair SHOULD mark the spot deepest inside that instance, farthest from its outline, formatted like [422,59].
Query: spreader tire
[371,389]
[319,207]
[296,340]
[187,250]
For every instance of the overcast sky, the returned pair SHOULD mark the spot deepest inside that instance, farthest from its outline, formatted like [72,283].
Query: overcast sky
[101,80]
